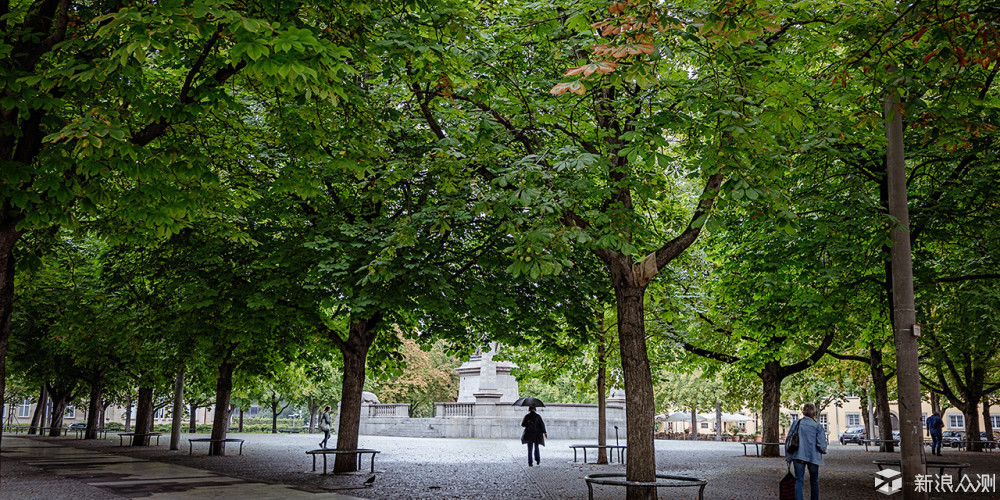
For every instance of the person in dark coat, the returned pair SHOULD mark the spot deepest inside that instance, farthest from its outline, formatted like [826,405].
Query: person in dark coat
[534,433]
[935,426]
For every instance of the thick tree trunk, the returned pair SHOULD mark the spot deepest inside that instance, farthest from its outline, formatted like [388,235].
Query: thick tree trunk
[881,388]
[863,397]
[936,403]
[94,407]
[104,411]
[355,352]
[629,298]
[223,394]
[912,458]
[240,426]
[178,411]
[38,417]
[602,397]
[9,235]
[143,416]
[771,408]
[694,424]
[972,426]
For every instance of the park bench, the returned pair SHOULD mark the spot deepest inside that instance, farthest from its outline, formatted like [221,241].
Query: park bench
[940,466]
[328,451]
[146,436]
[102,433]
[879,443]
[620,447]
[662,481]
[192,441]
[964,445]
[288,431]
[757,446]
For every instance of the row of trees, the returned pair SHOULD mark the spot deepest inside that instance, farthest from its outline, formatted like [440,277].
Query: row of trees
[264,183]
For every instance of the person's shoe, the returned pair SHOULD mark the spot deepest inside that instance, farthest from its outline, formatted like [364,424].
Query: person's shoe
[529,464]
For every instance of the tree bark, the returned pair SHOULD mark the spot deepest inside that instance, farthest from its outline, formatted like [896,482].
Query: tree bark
[128,414]
[912,458]
[865,412]
[987,422]
[360,336]
[61,397]
[602,397]
[881,387]
[94,407]
[771,378]
[638,379]
[274,413]
[9,235]
[240,425]
[178,411]
[143,416]
[193,427]
[936,403]
[313,408]
[223,394]
[38,417]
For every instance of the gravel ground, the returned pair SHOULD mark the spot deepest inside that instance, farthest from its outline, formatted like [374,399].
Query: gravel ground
[416,468]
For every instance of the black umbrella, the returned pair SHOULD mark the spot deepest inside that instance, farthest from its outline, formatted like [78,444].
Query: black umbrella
[528,401]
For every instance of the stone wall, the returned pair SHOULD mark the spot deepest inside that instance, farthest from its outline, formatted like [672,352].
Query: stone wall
[502,421]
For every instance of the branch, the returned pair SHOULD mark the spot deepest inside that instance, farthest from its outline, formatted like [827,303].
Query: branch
[676,246]
[850,357]
[970,277]
[812,359]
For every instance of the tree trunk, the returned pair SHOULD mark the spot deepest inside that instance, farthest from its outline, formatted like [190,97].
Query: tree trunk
[771,408]
[602,397]
[629,298]
[143,416]
[274,413]
[9,235]
[61,397]
[241,420]
[936,403]
[128,414]
[718,421]
[694,424]
[355,351]
[38,417]
[223,393]
[987,422]
[865,412]
[881,388]
[95,408]
[178,411]
[193,426]
[912,458]
[313,408]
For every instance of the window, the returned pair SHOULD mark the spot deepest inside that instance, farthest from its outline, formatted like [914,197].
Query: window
[158,413]
[743,425]
[793,417]
[956,421]
[704,425]
[853,419]
[923,420]
[824,421]
[253,411]
[995,420]
[24,409]
[70,412]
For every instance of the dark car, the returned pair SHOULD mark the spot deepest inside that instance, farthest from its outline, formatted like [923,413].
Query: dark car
[77,425]
[951,438]
[853,435]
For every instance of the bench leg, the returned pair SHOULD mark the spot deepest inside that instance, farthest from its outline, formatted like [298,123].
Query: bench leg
[574,455]
[314,462]
[584,455]
[590,491]
[324,463]
[190,448]
[241,448]
[373,462]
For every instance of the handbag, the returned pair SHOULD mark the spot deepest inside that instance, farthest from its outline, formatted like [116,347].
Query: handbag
[793,440]
[786,487]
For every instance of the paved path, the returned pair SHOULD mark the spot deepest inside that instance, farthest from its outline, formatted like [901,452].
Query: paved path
[275,466]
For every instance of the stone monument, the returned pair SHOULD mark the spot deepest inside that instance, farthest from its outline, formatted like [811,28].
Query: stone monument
[483,380]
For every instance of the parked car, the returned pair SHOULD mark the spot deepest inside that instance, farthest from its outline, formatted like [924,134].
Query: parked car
[853,435]
[951,438]
[77,425]
[895,437]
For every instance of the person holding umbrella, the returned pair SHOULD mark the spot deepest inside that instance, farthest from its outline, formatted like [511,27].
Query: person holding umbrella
[534,433]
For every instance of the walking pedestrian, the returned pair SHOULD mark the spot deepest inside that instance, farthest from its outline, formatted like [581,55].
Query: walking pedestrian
[324,425]
[809,454]
[935,425]
[534,434]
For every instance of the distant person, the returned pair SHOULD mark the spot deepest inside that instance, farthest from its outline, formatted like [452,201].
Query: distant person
[534,434]
[935,425]
[812,447]
[324,425]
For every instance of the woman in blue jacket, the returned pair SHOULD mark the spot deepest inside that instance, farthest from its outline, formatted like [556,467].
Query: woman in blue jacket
[812,447]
